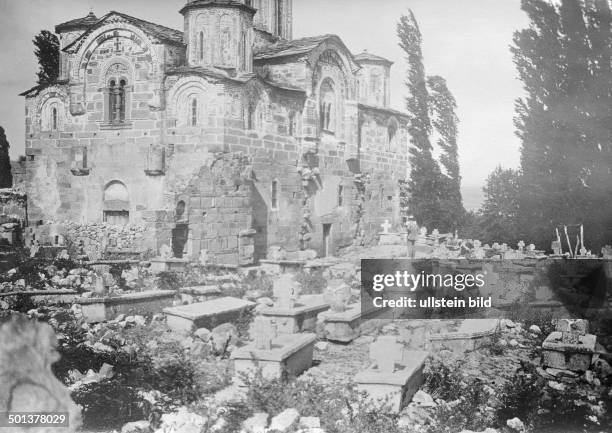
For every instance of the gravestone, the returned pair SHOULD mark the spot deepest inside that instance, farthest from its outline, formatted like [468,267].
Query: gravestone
[285,291]
[291,312]
[394,376]
[337,294]
[265,332]
[277,357]
[570,347]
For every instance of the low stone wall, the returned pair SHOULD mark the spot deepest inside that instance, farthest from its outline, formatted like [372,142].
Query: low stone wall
[12,205]
[96,240]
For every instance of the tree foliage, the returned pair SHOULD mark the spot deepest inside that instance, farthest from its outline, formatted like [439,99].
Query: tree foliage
[6,177]
[565,120]
[47,53]
[432,196]
[499,211]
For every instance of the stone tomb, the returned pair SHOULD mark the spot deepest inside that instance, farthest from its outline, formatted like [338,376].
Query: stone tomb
[343,321]
[343,326]
[293,313]
[569,347]
[394,376]
[468,335]
[208,314]
[277,355]
[100,309]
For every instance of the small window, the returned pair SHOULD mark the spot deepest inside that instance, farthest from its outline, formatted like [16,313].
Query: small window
[194,112]
[274,194]
[340,195]
[292,124]
[391,131]
[250,117]
[201,46]
[54,119]
[116,101]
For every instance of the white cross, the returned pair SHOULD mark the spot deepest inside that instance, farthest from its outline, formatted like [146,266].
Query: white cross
[386,226]
[385,352]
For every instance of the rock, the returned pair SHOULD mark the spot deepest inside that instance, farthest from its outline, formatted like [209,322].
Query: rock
[86,294]
[136,427]
[321,345]
[588,376]
[268,302]
[284,420]
[513,343]
[556,385]
[28,350]
[119,318]
[602,368]
[423,399]
[187,299]
[503,342]
[203,334]
[219,425]
[222,336]
[106,371]
[310,422]
[516,424]
[535,329]
[140,320]
[507,323]
[199,349]
[182,421]
[388,329]
[555,372]
[256,424]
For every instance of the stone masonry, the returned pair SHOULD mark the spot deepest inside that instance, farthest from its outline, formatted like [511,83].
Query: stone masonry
[226,135]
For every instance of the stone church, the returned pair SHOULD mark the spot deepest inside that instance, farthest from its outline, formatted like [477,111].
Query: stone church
[227,136]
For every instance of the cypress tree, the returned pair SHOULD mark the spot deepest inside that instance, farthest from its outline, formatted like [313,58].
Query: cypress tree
[444,120]
[424,185]
[6,177]
[47,53]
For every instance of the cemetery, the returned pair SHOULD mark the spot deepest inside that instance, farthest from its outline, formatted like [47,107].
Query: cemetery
[296,349]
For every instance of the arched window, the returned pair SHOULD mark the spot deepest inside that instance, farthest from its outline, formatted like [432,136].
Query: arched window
[226,29]
[327,106]
[243,51]
[116,104]
[193,112]
[116,203]
[54,118]
[250,116]
[201,46]
[391,131]
[274,201]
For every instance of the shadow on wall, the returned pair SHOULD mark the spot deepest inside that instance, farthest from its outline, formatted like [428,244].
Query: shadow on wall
[260,223]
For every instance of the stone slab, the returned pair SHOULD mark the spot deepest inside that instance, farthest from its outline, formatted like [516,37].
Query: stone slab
[167,265]
[291,354]
[470,335]
[45,296]
[301,318]
[342,326]
[107,308]
[394,390]
[208,314]
[205,291]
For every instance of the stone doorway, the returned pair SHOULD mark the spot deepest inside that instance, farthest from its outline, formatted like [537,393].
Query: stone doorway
[326,246]
[180,235]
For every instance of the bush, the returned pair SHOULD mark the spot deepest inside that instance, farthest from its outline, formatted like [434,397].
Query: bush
[311,283]
[527,315]
[341,410]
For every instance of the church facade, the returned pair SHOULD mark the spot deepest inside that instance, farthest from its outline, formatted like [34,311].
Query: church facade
[229,136]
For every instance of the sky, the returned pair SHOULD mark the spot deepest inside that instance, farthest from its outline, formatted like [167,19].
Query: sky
[465,41]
